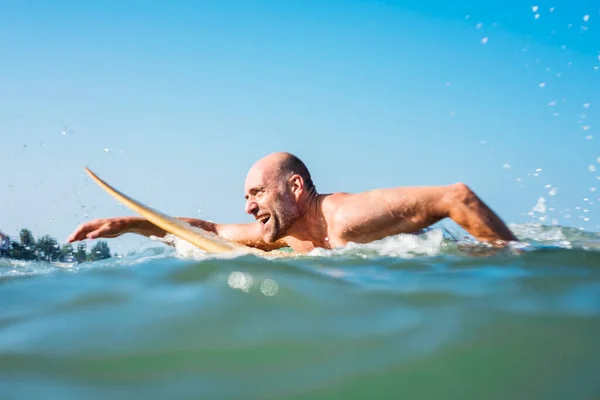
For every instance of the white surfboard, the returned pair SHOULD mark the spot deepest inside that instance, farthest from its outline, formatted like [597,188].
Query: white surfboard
[200,238]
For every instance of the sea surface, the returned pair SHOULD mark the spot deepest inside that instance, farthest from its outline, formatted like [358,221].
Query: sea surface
[409,317]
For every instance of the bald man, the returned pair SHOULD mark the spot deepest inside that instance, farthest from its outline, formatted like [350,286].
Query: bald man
[289,212]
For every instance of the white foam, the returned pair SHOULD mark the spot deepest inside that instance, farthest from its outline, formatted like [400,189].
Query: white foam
[403,245]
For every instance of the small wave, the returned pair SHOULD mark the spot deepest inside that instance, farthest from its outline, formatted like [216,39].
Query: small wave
[404,245]
[537,234]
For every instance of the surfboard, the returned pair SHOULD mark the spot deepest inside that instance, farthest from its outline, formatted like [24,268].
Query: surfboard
[200,238]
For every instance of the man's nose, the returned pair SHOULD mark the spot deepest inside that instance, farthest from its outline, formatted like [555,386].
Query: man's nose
[251,206]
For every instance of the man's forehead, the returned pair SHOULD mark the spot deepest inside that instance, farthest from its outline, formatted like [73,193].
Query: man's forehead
[255,178]
[259,176]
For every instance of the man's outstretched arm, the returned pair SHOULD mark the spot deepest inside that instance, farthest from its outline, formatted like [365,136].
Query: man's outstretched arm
[369,215]
[246,234]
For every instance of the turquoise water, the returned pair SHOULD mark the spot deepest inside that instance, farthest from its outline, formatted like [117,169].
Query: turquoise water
[408,317]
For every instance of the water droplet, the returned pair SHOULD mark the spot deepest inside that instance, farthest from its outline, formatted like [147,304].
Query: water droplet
[552,103]
[518,179]
[269,287]
[534,8]
[592,189]
[240,280]
[585,128]
[538,170]
[551,9]
[540,206]
[506,166]
[479,25]
[592,168]
[484,40]
[542,85]
[64,133]
[586,105]
[467,16]
[106,150]
[589,137]
[586,18]
[536,16]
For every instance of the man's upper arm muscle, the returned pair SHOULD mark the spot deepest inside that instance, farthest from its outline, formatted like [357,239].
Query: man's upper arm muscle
[382,212]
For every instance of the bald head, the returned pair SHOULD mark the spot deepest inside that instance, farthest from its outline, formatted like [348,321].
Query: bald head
[282,166]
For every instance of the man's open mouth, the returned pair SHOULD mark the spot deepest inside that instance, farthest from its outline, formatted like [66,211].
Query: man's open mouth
[263,219]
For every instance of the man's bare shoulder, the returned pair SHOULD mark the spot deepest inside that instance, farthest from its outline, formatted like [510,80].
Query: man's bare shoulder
[368,215]
[337,202]
[341,208]
[333,202]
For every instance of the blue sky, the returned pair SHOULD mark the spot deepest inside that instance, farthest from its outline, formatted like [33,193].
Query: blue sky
[172,102]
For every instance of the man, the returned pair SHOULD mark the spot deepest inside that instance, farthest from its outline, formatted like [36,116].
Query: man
[289,212]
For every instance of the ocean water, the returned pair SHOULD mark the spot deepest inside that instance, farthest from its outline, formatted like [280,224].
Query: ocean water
[409,317]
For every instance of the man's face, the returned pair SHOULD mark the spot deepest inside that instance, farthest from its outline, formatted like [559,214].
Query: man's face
[270,200]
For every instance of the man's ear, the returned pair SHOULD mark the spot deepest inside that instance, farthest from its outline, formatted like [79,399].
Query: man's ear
[296,184]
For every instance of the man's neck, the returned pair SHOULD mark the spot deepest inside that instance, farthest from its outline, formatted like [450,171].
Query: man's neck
[311,226]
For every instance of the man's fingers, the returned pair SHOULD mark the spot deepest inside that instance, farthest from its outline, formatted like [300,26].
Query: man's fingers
[98,232]
[79,234]
[89,230]
[95,229]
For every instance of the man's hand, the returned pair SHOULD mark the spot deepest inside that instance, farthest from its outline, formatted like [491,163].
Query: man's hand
[113,227]
[100,228]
